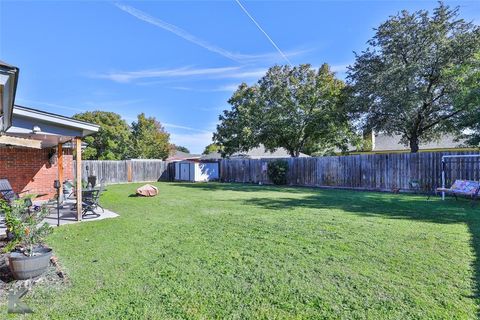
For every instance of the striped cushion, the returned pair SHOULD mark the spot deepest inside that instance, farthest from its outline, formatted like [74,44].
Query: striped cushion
[463,186]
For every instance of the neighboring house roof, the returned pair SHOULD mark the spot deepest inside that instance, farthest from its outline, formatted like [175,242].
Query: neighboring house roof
[177,155]
[382,142]
[211,156]
[254,153]
[260,152]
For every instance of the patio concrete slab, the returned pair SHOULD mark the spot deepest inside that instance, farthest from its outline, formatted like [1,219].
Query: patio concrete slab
[68,215]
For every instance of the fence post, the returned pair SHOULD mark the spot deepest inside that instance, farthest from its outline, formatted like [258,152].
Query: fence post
[129,170]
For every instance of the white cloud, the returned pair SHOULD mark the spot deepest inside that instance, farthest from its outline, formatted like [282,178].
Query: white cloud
[227,87]
[263,31]
[177,126]
[127,76]
[238,57]
[182,72]
[177,31]
[183,88]
[247,74]
[112,103]
[215,109]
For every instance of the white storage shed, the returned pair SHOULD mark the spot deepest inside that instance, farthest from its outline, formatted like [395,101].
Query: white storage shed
[196,171]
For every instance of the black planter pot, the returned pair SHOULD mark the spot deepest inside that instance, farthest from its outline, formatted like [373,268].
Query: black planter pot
[23,267]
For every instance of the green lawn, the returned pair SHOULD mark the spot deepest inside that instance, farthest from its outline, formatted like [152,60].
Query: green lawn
[233,251]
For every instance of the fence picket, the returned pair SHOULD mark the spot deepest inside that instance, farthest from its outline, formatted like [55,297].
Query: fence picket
[366,171]
[119,171]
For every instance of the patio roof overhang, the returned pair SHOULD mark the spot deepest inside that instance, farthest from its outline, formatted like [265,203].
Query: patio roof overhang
[8,88]
[39,129]
[32,127]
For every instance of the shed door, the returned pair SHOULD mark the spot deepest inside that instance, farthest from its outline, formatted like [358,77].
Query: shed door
[185,171]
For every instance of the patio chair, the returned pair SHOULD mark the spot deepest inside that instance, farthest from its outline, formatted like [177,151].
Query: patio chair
[467,188]
[90,200]
[7,193]
[68,190]
[414,185]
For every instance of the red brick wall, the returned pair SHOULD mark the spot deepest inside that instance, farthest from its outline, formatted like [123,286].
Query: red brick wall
[29,169]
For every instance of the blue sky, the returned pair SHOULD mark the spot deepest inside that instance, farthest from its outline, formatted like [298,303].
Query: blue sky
[179,61]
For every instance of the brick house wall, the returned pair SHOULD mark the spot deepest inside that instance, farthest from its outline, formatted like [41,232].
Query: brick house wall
[30,170]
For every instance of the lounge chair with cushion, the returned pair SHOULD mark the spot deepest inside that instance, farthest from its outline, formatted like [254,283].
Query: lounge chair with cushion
[467,188]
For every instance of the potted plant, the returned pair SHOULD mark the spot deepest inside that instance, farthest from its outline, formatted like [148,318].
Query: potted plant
[28,256]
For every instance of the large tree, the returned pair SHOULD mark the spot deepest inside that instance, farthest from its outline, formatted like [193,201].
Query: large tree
[150,140]
[296,108]
[112,140]
[408,81]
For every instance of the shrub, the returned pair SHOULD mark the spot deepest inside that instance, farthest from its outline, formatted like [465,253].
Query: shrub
[25,226]
[277,171]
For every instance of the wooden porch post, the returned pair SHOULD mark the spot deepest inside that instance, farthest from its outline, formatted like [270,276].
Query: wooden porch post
[60,169]
[78,156]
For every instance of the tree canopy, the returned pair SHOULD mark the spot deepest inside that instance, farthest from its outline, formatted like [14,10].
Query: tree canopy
[116,140]
[212,148]
[112,140]
[297,108]
[469,124]
[181,148]
[150,140]
[412,79]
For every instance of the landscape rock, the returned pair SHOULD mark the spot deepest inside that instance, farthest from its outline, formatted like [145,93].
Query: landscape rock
[147,191]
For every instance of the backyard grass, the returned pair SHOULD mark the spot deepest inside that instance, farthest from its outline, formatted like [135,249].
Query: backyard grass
[204,251]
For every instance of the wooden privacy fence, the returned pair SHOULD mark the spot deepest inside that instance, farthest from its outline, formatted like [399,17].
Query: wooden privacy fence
[123,171]
[367,171]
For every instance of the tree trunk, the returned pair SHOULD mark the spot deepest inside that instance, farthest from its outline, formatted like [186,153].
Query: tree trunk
[294,153]
[413,144]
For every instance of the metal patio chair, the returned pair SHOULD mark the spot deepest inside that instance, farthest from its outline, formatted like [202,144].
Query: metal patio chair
[90,200]
[8,194]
